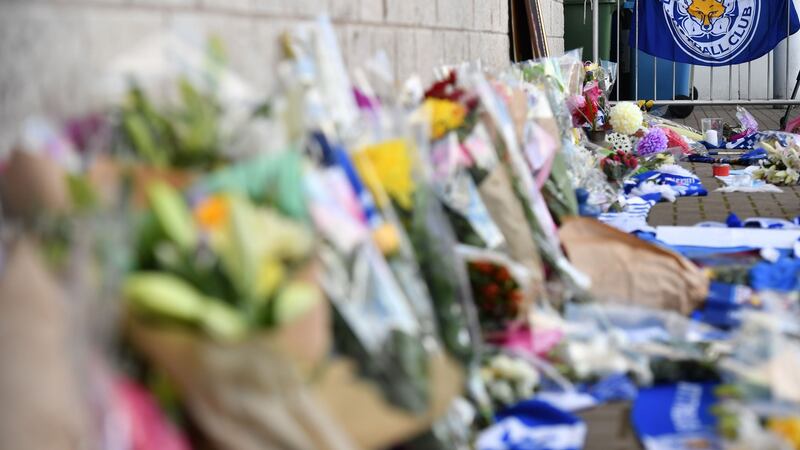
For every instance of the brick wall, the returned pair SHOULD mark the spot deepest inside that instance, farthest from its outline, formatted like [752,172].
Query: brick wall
[52,50]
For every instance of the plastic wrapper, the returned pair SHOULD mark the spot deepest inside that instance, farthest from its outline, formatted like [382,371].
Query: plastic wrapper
[656,346]
[377,324]
[746,120]
[609,75]
[683,130]
[764,361]
[384,316]
[500,287]
[537,215]
[434,245]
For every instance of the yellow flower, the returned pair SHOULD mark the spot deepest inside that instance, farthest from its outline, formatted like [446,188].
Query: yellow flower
[386,238]
[788,428]
[386,169]
[444,115]
[212,213]
[269,278]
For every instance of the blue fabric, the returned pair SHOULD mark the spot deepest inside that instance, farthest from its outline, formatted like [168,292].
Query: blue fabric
[745,142]
[752,157]
[724,304]
[675,415]
[733,32]
[782,275]
[535,412]
[702,159]
[683,186]
[725,318]
[533,425]
[614,387]
[733,221]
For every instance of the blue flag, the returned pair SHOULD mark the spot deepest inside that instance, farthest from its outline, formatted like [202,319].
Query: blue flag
[713,32]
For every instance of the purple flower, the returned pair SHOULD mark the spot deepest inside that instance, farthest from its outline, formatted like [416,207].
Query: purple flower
[654,141]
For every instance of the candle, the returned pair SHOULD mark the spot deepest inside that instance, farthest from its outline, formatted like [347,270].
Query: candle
[711,137]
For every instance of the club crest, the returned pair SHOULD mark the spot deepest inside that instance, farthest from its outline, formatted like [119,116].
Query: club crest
[713,31]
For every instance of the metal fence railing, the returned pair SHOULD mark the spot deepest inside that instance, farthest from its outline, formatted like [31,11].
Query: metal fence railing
[736,95]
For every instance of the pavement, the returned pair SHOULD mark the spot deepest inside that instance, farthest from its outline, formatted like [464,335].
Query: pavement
[716,206]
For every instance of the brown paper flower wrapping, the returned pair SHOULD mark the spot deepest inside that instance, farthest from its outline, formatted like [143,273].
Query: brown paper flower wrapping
[249,394]
[39,389]
[361,409]
[504,207]
[625,269]
[106,175]
[31,184]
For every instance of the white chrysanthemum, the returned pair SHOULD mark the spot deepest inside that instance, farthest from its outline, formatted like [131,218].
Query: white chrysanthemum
[619,142]
[626,118]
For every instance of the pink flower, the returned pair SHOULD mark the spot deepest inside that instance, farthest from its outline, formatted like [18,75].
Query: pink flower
[592,91]
[576,102]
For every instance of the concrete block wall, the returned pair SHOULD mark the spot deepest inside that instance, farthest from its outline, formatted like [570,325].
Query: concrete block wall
[553,18]
[52,50]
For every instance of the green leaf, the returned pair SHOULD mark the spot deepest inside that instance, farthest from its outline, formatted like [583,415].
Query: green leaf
[142,141]
[164,295]
[222,321]
[173,215]
[237,250]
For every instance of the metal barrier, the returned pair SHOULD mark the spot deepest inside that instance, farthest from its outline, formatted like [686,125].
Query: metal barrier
[748,100]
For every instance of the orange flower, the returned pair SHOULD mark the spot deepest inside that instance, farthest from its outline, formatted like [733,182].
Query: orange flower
[212,213]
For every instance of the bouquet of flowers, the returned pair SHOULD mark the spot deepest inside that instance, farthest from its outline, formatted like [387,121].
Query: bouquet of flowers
[588,109]
[203,265]
[498,295]
[655,161]
[618,165]
[509,379]
[782,165]
[223,287]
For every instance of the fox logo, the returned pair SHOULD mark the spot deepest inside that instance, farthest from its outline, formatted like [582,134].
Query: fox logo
[705,17]
[713,31]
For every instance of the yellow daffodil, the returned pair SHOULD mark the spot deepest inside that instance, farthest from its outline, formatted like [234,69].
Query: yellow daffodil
[788,428]
[386,170]
[212,213]
[444,115]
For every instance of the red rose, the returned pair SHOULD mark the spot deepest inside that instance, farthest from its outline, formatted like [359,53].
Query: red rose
[490,291]
[502,274]
[483,267]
